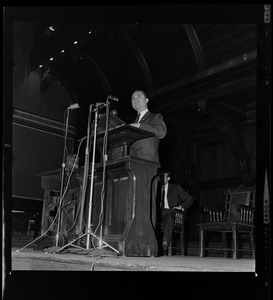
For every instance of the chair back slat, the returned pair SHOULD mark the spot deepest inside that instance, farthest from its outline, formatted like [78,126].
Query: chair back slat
[247,214]
[235,198]
[239,207]
[178,220]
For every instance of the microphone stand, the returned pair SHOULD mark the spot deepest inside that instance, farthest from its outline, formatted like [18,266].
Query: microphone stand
[105,158]
[86,167]
[88,226]
[62,177]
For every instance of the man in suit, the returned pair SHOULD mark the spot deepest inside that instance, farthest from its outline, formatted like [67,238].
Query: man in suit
[153,122]
[147,148]
[173,197]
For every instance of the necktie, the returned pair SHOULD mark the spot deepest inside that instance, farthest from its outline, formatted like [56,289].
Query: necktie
[163,197]
[137,118]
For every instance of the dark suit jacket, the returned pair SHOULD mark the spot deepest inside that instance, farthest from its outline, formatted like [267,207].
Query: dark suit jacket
[148,148]
[178,196]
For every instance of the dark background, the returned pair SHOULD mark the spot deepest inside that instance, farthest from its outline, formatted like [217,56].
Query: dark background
[204,67]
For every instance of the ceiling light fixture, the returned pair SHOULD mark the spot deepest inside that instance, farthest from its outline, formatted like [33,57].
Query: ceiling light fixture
[54,29]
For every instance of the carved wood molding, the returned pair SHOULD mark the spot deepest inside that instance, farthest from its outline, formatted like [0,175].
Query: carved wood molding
[233,76]
[208,89]
[40,123]
[222,72]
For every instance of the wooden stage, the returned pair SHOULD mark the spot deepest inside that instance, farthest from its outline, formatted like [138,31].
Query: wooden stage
[28,259]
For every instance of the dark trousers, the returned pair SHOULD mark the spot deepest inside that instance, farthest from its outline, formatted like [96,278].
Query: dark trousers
[167,218]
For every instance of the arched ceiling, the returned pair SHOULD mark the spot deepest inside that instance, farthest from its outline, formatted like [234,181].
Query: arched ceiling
[183,66]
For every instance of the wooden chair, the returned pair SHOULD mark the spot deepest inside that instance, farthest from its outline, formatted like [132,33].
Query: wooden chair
[31,225]
[179,224]
[235,219]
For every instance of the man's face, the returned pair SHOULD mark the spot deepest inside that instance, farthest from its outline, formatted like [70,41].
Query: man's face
[165,178]
[139,101]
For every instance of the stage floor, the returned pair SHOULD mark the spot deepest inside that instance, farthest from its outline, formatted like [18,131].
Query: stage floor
[104,260]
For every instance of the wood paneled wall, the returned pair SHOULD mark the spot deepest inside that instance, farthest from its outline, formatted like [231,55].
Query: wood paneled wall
[216,169]
[216,162]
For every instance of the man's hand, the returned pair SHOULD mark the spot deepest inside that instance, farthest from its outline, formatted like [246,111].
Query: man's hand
[179,208]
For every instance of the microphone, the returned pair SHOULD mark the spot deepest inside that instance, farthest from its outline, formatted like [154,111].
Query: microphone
[74,106]
[113,98]
[112,113]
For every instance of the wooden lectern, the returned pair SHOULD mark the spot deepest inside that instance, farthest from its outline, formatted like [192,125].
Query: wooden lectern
[51,185]
[126,222]
[127,207]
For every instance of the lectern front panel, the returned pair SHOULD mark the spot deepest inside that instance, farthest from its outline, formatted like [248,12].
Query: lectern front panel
[116,207]
[121,206]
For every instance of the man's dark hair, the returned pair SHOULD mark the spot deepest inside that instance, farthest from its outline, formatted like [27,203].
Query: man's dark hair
[144,93]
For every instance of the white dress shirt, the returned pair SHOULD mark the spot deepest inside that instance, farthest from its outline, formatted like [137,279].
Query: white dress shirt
[166,205]
[142,114]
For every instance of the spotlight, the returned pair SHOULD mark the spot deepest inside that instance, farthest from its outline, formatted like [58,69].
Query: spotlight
[51,28]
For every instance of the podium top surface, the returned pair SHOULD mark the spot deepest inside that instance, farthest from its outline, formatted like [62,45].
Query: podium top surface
[124,134]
